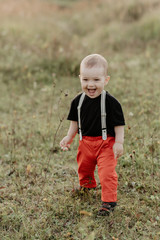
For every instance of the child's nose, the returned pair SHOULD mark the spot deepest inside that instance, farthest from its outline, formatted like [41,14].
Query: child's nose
[91,83]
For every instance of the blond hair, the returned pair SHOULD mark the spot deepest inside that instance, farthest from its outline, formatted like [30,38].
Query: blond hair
[94,60]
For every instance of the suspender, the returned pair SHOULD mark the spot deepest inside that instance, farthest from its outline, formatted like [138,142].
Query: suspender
[79,110]
[103,115]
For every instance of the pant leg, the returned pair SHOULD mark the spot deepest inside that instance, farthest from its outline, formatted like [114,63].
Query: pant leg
[86,164]
[106,171]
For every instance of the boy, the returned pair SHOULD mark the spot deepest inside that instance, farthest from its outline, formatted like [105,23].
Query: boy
[100,123]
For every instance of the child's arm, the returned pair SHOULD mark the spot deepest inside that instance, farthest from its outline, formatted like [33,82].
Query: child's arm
[119,139]
[67,140]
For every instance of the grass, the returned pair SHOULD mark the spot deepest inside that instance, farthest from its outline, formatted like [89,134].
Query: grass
[40,50]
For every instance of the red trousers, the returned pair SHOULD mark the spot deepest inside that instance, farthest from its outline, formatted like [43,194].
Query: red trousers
[94,151]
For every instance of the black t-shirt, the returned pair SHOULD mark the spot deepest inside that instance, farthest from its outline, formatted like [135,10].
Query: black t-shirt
[91,114]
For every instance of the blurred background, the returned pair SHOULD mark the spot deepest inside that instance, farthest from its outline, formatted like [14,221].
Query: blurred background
[56,35]
[42,42]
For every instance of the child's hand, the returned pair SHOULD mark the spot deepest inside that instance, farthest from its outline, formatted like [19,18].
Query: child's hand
[65,143]
[118,149]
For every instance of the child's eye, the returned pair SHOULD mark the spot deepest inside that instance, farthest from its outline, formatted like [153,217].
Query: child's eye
[85,79]
[96,79]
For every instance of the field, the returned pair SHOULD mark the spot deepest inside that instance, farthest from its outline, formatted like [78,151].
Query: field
[41,46]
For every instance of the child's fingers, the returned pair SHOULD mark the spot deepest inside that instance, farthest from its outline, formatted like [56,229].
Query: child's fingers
[64,145]
[64,148]
[61,144]
[118,154]
[115,153]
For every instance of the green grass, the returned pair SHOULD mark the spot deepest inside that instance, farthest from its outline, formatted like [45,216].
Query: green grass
[39,66]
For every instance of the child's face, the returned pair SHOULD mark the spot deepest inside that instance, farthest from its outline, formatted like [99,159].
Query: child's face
[93,81]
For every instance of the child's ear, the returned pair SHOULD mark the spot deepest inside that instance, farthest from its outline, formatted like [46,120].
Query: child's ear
[107,80]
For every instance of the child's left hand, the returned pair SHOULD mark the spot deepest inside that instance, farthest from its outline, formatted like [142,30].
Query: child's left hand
[118,149]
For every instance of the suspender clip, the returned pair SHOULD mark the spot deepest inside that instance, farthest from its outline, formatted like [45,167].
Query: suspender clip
[80,134]
[104,134]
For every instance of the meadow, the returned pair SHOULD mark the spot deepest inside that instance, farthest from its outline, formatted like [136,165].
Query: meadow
[41,46]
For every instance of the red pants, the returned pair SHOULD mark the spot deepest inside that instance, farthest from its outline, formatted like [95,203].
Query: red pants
[94,151]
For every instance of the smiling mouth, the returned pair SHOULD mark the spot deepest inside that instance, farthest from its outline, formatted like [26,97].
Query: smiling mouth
[91,90]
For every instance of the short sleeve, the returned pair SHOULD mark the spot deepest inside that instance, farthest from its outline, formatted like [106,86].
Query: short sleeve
[73,115]
[117,114]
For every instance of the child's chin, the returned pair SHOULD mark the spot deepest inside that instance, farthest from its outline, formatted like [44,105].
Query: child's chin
[92,96]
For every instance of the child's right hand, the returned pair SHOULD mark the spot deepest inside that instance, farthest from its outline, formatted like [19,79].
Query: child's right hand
[65,143]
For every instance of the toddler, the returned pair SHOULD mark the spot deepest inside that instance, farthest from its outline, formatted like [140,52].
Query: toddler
[98,118]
